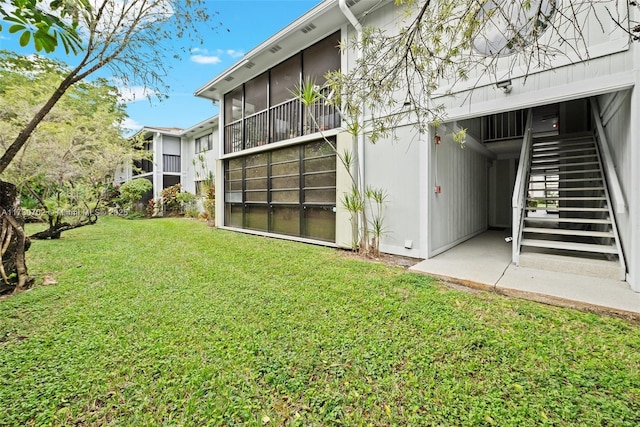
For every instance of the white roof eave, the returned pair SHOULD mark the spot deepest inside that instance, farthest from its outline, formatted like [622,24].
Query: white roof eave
[287,32]
[210,122]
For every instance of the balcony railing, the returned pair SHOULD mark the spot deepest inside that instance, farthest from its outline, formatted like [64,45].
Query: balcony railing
[256,129]
[233,137]
[170,163]
[280,122]
[285,120]
[320,117]
[508,125]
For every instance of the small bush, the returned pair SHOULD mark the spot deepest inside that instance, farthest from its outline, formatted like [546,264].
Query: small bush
[170,200]
[111,195]
[132,191]
[151,208]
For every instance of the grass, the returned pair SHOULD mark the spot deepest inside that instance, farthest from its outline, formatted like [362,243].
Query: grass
[168,322]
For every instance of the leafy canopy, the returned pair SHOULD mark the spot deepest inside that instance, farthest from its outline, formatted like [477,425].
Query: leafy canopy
[74,152]
[46,24]
[126,37]
[404,73]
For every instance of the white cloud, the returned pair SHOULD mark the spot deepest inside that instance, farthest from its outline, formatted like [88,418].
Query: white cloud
[203,56]
[134,93]
[235,53]
[130,124]
[206,59]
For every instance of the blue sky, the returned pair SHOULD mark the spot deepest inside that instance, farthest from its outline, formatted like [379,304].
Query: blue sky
[249,22]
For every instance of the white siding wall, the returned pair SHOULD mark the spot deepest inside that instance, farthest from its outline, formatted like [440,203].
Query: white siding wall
[603,66]
[189,170]
[394,166]
[603,52]
[171,145]
[618,133]
[601,75]
[460,211]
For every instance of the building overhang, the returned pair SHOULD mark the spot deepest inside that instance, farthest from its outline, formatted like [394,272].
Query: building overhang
[150,130]
[321,21]
[210,123]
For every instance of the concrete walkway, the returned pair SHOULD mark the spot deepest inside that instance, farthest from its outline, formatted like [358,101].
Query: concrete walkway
[484,262]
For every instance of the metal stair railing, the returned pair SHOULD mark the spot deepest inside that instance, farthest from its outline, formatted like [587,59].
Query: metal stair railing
[518,201]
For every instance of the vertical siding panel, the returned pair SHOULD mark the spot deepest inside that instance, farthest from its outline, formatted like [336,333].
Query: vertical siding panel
[619,138]
[461,210]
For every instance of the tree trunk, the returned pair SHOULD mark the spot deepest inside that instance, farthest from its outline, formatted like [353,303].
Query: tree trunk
[54,231]
[26,132]
[13,242]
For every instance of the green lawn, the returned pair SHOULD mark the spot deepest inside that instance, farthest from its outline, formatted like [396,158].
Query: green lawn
[169,322]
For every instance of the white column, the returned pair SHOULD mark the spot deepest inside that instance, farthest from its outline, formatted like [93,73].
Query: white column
[633,251]
[157,165]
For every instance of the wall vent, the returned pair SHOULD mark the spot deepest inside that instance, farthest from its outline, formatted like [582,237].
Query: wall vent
[275,49]
[308,28]
[250,64]
[213,89]
[228,79]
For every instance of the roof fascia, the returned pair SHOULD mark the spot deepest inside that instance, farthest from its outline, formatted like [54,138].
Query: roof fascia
[314,13]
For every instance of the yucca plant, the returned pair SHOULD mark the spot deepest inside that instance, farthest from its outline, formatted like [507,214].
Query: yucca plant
[309,94]
[377,197]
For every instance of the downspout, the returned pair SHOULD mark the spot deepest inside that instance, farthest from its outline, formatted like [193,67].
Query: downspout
[358,27]
[350,16]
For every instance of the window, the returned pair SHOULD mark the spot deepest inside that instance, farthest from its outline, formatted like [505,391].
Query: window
[204,143]
[509,25]
[321,58]
[289,191]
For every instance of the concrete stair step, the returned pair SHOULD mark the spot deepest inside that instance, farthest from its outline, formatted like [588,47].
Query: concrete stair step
[562,142]
[566,232]
[557,159]
[570,246]
[553,145]
[562,166]
[575,136]
[568,209]
[556,152]
[556,198]
[573,265]
[565,172]
[558,188]
[557,180]
[568,220]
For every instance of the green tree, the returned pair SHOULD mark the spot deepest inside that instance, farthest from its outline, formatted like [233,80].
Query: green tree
[128,37]
[71,158]
[131,192]
[441,43]
[45,28]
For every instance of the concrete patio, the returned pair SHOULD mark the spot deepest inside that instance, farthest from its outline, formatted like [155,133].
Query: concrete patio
[484,262]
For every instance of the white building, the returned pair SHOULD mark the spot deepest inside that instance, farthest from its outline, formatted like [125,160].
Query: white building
[184,156]
[553,158]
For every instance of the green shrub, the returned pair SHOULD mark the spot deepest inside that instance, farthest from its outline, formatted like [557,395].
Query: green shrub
[170,201]
[131,192]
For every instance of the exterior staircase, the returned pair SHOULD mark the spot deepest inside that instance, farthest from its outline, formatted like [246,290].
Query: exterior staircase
[567,222]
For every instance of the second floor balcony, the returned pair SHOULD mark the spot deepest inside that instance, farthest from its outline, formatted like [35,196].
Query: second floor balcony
[286,120]
[264,110]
